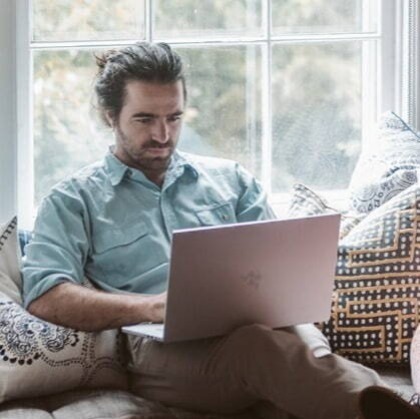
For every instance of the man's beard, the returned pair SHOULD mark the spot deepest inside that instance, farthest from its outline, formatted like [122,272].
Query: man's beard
[140,158]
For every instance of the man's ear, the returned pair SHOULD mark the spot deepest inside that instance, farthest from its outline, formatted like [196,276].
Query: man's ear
[110,119]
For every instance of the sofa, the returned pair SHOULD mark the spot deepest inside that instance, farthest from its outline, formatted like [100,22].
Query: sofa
[119,404]
[52,372]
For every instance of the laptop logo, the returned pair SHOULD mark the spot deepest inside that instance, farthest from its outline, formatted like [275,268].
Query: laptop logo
[252,279]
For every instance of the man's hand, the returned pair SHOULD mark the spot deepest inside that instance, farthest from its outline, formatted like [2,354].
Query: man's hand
[157,307]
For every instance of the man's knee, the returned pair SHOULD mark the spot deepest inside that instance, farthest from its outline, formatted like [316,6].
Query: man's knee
[257,337]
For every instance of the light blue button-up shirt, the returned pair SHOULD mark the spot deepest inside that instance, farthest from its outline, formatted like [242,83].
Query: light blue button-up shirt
[111,224]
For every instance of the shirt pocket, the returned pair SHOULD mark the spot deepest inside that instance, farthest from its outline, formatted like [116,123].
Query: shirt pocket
[118,237]
[220,214]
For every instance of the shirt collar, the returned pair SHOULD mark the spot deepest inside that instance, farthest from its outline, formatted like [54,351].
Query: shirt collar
[181,161]
[117,170]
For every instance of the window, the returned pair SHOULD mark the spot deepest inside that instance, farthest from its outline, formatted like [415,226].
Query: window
[289,88]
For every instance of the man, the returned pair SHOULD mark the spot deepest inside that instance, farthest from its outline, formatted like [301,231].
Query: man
[112,223]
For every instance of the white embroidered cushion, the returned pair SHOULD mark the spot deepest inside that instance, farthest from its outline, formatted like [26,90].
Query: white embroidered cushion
[39,358]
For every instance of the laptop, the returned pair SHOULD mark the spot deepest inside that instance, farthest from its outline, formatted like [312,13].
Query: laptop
[277,273]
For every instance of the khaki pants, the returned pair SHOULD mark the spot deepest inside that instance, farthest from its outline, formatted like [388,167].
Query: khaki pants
[292,370]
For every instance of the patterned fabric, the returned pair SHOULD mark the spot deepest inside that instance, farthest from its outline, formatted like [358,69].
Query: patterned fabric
[25,237]
[389,167]
[375,306]
[10,280]
[305,201]
[38,358]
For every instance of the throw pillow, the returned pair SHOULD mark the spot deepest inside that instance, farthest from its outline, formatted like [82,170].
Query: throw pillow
[10,279]
[389,167]
[305,202]
[25,237]
[375,307]
[415,360]
[39,358]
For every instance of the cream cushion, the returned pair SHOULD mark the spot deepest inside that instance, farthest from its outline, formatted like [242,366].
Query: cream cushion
[39,358]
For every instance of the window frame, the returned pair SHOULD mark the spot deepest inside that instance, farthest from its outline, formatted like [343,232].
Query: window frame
[8,117]
[397,83]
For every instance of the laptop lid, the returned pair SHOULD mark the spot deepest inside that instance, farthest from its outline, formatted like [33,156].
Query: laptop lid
[278,273]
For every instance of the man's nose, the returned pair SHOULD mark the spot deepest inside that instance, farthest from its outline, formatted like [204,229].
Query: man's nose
[161,132]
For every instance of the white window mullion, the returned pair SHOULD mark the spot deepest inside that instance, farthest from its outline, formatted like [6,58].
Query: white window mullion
[399,62]
[410,53]
[416,66]
[389,71]
[267,135]
[149,12]
[25,154]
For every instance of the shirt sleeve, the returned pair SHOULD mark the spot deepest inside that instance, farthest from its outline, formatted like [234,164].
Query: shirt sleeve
[59,247]
[253,203]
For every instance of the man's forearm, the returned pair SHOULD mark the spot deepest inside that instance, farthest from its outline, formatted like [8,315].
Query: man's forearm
[81,308]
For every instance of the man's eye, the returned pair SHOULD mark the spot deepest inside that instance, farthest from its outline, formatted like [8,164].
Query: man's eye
[143,120]
[174,118]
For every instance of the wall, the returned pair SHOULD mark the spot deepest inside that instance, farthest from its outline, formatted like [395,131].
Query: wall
[8,143]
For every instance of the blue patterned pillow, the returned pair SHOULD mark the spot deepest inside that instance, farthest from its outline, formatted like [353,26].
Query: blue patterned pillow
[390,166]
[25,236]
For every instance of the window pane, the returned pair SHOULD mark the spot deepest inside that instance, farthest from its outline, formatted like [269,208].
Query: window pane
[207,18]
[316,114]
[71,20]
[67,132]
[222,118]
[324,16]
[224,114]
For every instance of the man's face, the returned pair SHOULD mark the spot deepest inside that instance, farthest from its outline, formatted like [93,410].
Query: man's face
[149,124]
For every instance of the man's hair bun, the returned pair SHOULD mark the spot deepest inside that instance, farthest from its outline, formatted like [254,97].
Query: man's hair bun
[103,58]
